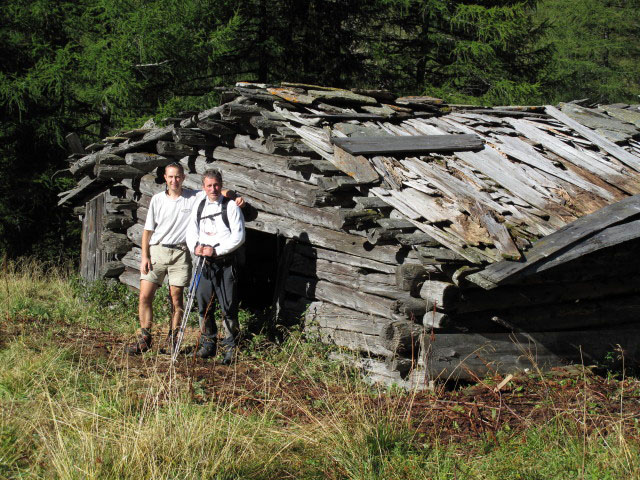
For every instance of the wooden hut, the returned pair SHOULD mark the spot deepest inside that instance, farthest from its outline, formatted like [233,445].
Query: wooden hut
[440,241]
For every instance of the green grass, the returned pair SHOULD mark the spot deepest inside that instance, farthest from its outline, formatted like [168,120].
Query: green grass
[65,414]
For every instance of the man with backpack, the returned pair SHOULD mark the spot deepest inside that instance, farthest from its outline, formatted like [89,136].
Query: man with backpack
[216,232]
[165,253]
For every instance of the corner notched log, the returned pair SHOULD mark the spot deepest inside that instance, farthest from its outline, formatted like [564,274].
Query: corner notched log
[402,337]
[112,269]
[116,172]
[146,162]
[116,243]
[441,295]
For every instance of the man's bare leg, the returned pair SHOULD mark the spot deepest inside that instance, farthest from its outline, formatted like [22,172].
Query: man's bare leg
[145,312]
[145,305]
[178,306]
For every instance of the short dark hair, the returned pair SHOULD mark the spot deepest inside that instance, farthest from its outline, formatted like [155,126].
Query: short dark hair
[212,173]
[176,165]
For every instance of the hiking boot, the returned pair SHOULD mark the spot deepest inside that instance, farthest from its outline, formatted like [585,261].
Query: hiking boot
[229,356]
[171,342]
[142,345]
[206,350]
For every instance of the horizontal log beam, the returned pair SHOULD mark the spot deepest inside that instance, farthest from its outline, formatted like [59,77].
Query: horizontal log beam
[470,356]
[408,144]
[344,243]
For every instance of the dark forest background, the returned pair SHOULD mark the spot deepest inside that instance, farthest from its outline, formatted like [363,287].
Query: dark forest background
[97,67]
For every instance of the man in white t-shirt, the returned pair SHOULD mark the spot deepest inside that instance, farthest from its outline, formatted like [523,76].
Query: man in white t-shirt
[164,253]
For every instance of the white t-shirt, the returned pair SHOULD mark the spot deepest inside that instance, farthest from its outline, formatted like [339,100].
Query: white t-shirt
[167,217]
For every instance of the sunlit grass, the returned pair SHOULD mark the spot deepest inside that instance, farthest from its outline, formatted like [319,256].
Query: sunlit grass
[67,414]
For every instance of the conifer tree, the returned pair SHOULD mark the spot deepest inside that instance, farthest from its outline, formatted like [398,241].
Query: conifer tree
[597,49]
[472,49]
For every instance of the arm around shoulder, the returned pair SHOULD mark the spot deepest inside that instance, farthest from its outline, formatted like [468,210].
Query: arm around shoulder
[193,230]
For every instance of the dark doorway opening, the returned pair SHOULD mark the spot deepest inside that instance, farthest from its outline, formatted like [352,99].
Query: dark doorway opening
[257,280]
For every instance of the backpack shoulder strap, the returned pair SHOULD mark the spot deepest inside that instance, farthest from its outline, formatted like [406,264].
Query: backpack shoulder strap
[225,215]
[200,208]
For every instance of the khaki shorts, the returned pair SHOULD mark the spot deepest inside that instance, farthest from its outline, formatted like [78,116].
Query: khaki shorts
[172,262]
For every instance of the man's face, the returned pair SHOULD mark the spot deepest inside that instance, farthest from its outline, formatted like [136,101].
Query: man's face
[212,187]
[174,179]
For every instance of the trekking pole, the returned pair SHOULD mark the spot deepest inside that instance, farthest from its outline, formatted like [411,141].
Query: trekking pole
[185,315]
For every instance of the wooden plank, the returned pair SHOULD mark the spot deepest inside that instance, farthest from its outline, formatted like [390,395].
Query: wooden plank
[87,163]
[408,144]
[88,242]
[341,117]
[507,297]
[471,356]
[624,114]
[498,232]
[380,95]
[625,157]
[327,315]
[451,242]
[524,152]
[217,128]
[316,139]
[357,167]
[359,342]
[432,209]
[191,137]
[327,217]
[85,185]
[283,145]
[247,180]
[599,121]
[341,296]
[292,96]
[347,276]
[365,203]
[608,237]
[173,149]
[451,186]
[146,161]
[199,117]
[93,256]
[325,238]
[276,164]
[396,202]
[610,173]
[487,162]
[562,239]
[342,97]
[419,101]
[570,316]
[116,172]
[74,142]
[345,258]
[384,166]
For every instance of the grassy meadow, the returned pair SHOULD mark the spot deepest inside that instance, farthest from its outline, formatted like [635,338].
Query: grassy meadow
[72,406]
